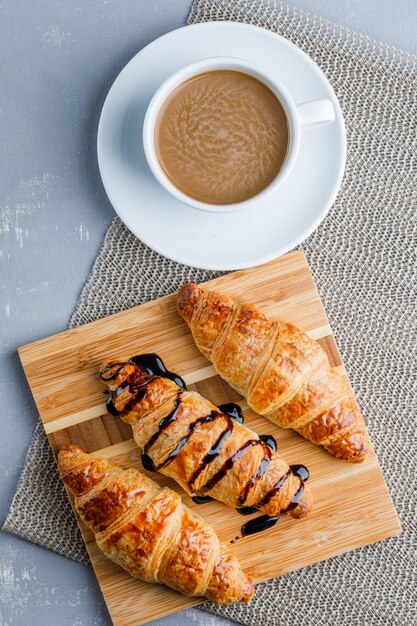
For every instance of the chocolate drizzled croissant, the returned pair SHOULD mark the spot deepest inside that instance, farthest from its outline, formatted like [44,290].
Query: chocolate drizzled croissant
[208,453]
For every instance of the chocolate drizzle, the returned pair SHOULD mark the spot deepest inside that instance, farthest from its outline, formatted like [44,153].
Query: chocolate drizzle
[232,410]
[202,499]
[263,466]
[246,510]
[215,450]
[111,408]
[301,471]
[295,499]
[163,425]
[227,465]
[147,462]
[263,522]
[272,492]
[154,365]
[150,364]
[270,441]
[138,393]
[146,367]
[107,376]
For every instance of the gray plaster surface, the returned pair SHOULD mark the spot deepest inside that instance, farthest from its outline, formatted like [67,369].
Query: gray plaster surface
[58,59]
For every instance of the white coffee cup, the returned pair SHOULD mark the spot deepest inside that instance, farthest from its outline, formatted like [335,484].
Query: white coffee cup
[309,114]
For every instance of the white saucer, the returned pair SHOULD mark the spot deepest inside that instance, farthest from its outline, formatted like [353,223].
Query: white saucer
[221,241]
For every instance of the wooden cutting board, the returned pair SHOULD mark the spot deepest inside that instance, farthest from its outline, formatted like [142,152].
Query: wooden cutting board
[352,504]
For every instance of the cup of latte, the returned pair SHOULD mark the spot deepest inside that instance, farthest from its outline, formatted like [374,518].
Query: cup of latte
[221,133]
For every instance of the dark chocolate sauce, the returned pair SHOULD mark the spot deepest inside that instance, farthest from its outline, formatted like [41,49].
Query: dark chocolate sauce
[111,408]
[258,524]
[215,449]
[202,499]
[301,471]
[232,410]
[272,492]
[163,425]
[147,462]
[112,371]
[119,368]
[295,499]
[175,452]
[138,393]
[117,392]
[151,364]
[270,441]
[263,466]
[154,365]
[227,465]
[246,510]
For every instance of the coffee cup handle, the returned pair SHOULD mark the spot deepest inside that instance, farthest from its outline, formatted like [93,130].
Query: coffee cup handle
[316,113]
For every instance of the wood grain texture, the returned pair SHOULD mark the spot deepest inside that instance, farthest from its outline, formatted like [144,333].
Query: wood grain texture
[353,507]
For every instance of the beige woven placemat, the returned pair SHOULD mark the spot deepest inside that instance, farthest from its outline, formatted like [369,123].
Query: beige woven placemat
[364,260]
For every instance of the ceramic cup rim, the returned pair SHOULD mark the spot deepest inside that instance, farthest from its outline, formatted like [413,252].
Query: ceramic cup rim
[212,64]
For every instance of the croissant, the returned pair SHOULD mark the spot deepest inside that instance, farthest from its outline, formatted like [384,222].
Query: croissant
[284,375]
[149,532]
[208,453]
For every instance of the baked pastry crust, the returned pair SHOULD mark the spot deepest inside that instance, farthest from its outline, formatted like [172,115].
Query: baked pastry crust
[208,453]
[284,375]
[149,532]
